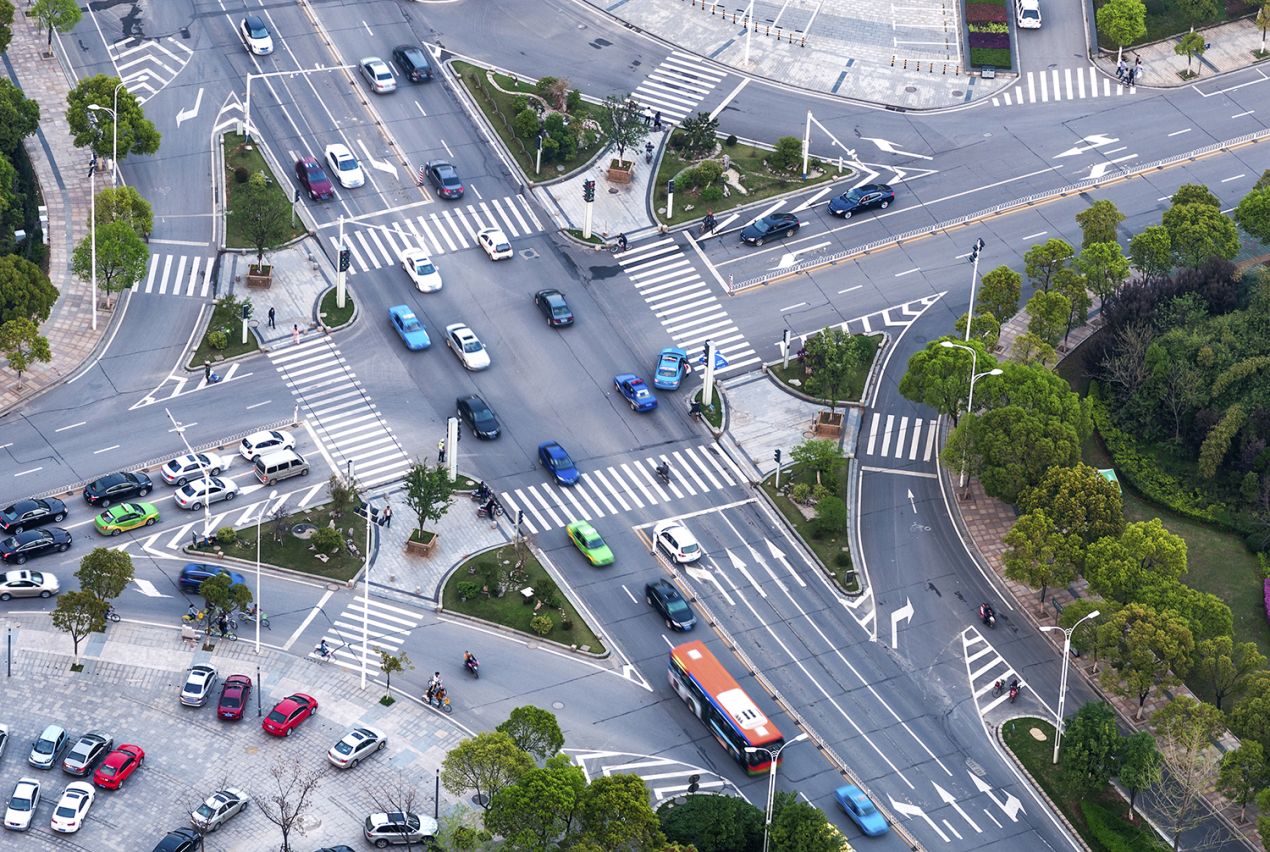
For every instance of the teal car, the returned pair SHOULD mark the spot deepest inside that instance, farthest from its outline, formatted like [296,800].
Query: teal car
[589,542]
[672,366]
[125,517]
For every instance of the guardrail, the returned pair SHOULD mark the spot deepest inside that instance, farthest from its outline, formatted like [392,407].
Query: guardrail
[1118,174]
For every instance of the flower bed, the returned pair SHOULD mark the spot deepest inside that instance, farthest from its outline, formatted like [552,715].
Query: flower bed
[988,32]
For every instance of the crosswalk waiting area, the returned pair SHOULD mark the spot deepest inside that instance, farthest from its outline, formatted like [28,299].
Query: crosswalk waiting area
[676,86]
[623,487]
[900,437]
[451,228]
[177,275]
[1062,84]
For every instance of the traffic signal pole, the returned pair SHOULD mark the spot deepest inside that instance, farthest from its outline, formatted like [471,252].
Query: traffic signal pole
[341,267]
[588,196]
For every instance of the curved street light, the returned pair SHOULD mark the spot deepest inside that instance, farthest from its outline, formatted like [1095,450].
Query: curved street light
[774,756]
[1062,687]
[970,397]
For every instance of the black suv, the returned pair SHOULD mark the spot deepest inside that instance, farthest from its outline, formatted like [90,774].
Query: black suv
[413,63]
[25,514]
[444,179]
[477,415]
[116,488]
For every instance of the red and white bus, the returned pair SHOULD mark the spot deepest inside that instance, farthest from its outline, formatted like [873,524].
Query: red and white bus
[716,699]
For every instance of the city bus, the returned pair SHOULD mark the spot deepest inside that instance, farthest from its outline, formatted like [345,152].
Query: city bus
[716,699]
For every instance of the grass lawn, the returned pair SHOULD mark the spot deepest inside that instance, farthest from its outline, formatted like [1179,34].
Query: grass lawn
[499,108]
[795,376]
[758,180]
[1106,805]
[239,152]
[831,549]
[335,317]
[226,319]
[295,553]
[510,610]
[713,412]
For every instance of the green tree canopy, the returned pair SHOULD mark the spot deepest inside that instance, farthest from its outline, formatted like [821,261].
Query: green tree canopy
[484,764]
[1048,315]
[1043,261]
[121,257]
[264,213]
[939,377]
[617,816]
[78,613]
[1072,284]
[1098,223]
[1253,215]
[1085,637]
[1144,649]
[818,455]
[999,292]
[22,345]
[1207,615]
[429,493]
[985,330]
[1250,717]
[1011,448]
[1091,747]
[1122,22]
[1151,251]
[19,116]
[622,122]
[801,827]
[1185,725]
[61,15]
[1079,501]
[540,807]
[25,291]
[124,204]
[713,823]
[223,596]
[696,134]
[1144,554]
[105,572]
[1224,666]
[1038,554]
[92,129]
[1104,266]
[1242,774]
[833,356]
[534,730]
[1195,193]
[6,24]
[1040,391]
[1140,765]
[1190,45]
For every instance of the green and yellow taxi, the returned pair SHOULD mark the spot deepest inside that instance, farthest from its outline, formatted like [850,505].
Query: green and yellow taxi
[126,516]
[590,543]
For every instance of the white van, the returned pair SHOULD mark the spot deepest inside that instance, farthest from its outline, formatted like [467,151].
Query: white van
[1027,14]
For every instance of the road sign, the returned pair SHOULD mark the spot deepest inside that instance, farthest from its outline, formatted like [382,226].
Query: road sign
[719,361]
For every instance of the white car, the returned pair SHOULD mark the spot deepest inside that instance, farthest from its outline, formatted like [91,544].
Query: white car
[464,343]
[495,243]
[49,747]
[378,75]
[678,542]
[22,804]
[191,466]
[212,490]
[422,271]
[4,738]
[344,166]
[198,686]
[357,744]
[72,808]
[218,808]
[255,35]
[259,443]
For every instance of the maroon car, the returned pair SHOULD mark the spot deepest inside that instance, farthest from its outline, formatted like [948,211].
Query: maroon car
[314,180]
[233,697]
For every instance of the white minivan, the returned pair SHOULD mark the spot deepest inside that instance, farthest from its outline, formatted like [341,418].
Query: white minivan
[1027,14]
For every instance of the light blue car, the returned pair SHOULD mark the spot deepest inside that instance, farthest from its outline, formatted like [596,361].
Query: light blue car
[672,366]
[408,328]
[856,805]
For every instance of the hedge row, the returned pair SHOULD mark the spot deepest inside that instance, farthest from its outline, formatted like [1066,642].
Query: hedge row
[988,48]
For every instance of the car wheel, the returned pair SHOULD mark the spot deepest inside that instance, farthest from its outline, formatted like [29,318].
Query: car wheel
[213,828]
[381,844]
[759,241]
[62,548]
[150,521]
[195,507]
[57,519]
[287,732]
[46,594]
[885,204]
[143,492]
[21,560]
[648,600]
[353,765]
[846,214]
[791,232]
[20,530]
[180,483]
[6,597]
[382,745]
[215,471]
[304,472]
[116,531]
[230,496]
[105,504]
[669,624]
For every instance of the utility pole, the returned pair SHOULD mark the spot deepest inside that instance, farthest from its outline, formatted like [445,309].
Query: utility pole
[452,448]
[670,198]
[588,198]
[342,268]
[974,279]
[707,389]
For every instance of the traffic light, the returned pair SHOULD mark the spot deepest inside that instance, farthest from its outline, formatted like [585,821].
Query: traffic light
[670,187]
[777,453]
[345,258]
[588,190]
[247,310]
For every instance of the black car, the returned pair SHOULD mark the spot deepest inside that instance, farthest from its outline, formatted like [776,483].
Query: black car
[25,514]
[862,198]
[194,573]
[554,308]
[180,840]
[17,549]
[444,179]
[413,63]
[116,488]
[675,611]
[768,227]
[477,415]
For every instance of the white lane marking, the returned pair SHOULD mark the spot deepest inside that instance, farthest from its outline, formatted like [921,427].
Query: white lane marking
[72,426]
[105,450]
[1180,132]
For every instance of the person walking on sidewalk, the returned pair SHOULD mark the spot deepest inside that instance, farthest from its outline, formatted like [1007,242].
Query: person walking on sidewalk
[295,334]
[271,316]
[648,116]
[657,120]
[1120,69]
[386,517]
[207,371]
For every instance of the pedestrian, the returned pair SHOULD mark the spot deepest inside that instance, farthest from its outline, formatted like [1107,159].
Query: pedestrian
[648,116]
[657,120]
[271,316]
[1137,68]
[386,517]
[441,451]
[1120,69]
[295,334]
[207,371]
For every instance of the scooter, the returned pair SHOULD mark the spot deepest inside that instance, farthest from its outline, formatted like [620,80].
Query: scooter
[1014,691]
[987,616]
[481,494]
[439,699]
[473,666]
[663,473]
[483,512]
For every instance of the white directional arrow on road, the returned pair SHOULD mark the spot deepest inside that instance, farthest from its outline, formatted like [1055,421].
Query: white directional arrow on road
[705,576]
[754,554]
[889,147]
[187,114]
[813,198]
[377,164]
[1097,140]
[780,557]
[147,588]
[789,258]
[1101,169]
[740,566]
[950,799]
[914,811]
[912,502]
[904,613]
[1012,807]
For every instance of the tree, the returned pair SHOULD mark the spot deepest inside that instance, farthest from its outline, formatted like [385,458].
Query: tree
[999,292]
[1075,287]
[1098,223]
[1032,349]
[121,257]
[534,730]
[1011,448]
[288,799]
[985,330]
[1151,251]
[124,204]
[1079,501]
[1085,637]
[697,135]
[622,122]
[1190,45]
[6,24]
[1263,23]
[1199,11]
[485,764]
[1198,232]
[1242,773]
[1038,390]
[1207,615]
[21,343]
[1250,717]
[801,827]
[833,356]
[1144,649]
[1043,261]
[831,516]
[1253,215]
[1122,22]
[1146,553]
[61,15]
[712,823]
[1195,193]
[1186,729]
[389,663]
[617,816]
[1105,268]
[105,573]
[264,213]
[1091,747]
[19,116]
[223,596]
[787,154]
[79,613]
[818,455]
[1140,763]
[939,376]
[93,129]
[25,291]
[540,809]
[1048,315]
[1038,554]
[428,493]
[344,493]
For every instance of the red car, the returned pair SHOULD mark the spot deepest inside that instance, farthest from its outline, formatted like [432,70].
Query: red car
[233,697]
[314,180]
[288,713]
[118,765]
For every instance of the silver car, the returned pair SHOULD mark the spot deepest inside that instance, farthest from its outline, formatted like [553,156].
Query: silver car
[198,686]
[356,745]
[28,584]
[48,748]
[191,466]
[83,756]
[218,808]
[199,491]
[378,75]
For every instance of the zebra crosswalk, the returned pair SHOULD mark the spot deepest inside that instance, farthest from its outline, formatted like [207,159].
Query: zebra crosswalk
[177,275]
[146,65]
[985,667]
[623,487]
[676,86]
[387,626]
[664,778]
[684,304]
[1062,84]
[345,420]
[900,437]
[452,228]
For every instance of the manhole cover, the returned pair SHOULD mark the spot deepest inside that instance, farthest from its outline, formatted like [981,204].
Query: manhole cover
[303,531]
[957,93]
[910,89]
[557,705]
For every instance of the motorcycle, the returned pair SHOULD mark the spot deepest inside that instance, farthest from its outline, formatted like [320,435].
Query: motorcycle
[324,657]
[481,494]
[484,511]
[987,616]
[439,699]
[1014,691]
[648,152]
[473,666]
[663,473]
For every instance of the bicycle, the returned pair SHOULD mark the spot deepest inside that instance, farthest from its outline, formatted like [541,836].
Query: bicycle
[194,619]
[230,635]
[249,618]
[111,615]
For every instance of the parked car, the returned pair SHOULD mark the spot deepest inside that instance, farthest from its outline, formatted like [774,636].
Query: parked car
[4,737]
[311,175]
[495,243]
[71,810]
[408,328]
[672,365]
[769,227]
[259,443]
[678,542]
[466,346]
[88,749]
[861,198]
[25,514]
[180,840]
[218,808]
[857,805]
[662,596]
[49,747]
[116,487]
[554,308]
[635,392]
[125,517]
[553,457]
[444,178]
[412,62]
[119,766]
[344,165]
[17,549]
[288,713]
[191,466]
[589,543]
[198,492]
[398,829]
[255,35]
[194,574]
[198,685]
[478,416]
[356,745]
[377,75]
[28,584]
[233,697]
[22,804]
[422,271]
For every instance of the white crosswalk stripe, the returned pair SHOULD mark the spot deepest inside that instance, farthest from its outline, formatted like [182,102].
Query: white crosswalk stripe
[664,778]
[900,437]
[1062,84]
[450,228]
[985,667]
[684,303]
[676,86]
[387,626]
[346,421]
[177,275]
[619,487]
[146,65]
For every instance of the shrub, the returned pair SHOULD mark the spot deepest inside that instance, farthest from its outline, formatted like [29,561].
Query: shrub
[842,559]
[218,340]
[997,58]
[787,155]
[800,492]
[467,589]
[820,491]
[541,624]
[1113,833]
[831,516]
[730,142]
[985,13]
[225,536]
[520,103]
[709,172]
[573,101]
[525,125]
[1266,596]
[989,28]
[241,174]
[990,41]
[712,193]
[327,540]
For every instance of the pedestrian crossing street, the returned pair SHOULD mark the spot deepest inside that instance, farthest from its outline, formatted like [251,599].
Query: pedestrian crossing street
[388,627]
[900,437]
[984,667]
[452,228]
[346,421]
[622,487]
[663,777]
[684,303]
[146,65]
[676,86]
[177,275]
[1062,84]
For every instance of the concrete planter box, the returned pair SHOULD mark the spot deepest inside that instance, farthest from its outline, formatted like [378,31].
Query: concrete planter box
[828,424]
[621,171]
[424,547]
[259,276]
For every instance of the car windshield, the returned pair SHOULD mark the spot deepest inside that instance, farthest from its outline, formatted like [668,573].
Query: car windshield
[411,324]
[347,164]
[691,548]
[676,606]
[44,747]
[765,224]
[562,460]
[204,811]
[424,267]
[276,717]
[472,345]
[230,700]
[256,28]
[315,172]
[593,540]
[66,810]
[482,415]
[106,771]
[17,803]
[560,310]
[344,747]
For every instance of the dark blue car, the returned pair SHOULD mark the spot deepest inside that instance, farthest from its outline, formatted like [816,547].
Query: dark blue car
[635,392]
[194,573]
[554,458]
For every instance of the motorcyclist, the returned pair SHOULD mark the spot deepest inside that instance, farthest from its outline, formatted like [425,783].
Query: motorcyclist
[434,685]
[663,470]
[621,242]
[469,661]
[192,613]
[324,650]
[708,224]
[223,624]
[986,615]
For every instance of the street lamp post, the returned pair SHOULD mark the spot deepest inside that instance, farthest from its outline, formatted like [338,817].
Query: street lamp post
[1062,686]
[92,231]
[774,755]
[260,611]
[179,428]
[970,396]
[114,135]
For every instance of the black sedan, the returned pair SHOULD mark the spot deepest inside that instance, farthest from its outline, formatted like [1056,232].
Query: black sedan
[17,549]
[117,487]
[25,514]
[864,197]
[662,596]
[478,416]
[444,178]
[554,308]
[769,227]
[412,62]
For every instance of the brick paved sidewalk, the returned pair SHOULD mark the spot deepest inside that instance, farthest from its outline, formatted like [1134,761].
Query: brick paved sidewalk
[62,170]
[1230,47]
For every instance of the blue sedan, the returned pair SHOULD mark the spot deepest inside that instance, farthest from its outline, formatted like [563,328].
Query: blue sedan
[672,365]
[555,459]
[635,392]
[408,328]
[862,812]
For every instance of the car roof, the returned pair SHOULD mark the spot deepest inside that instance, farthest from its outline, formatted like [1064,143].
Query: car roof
[253,21]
